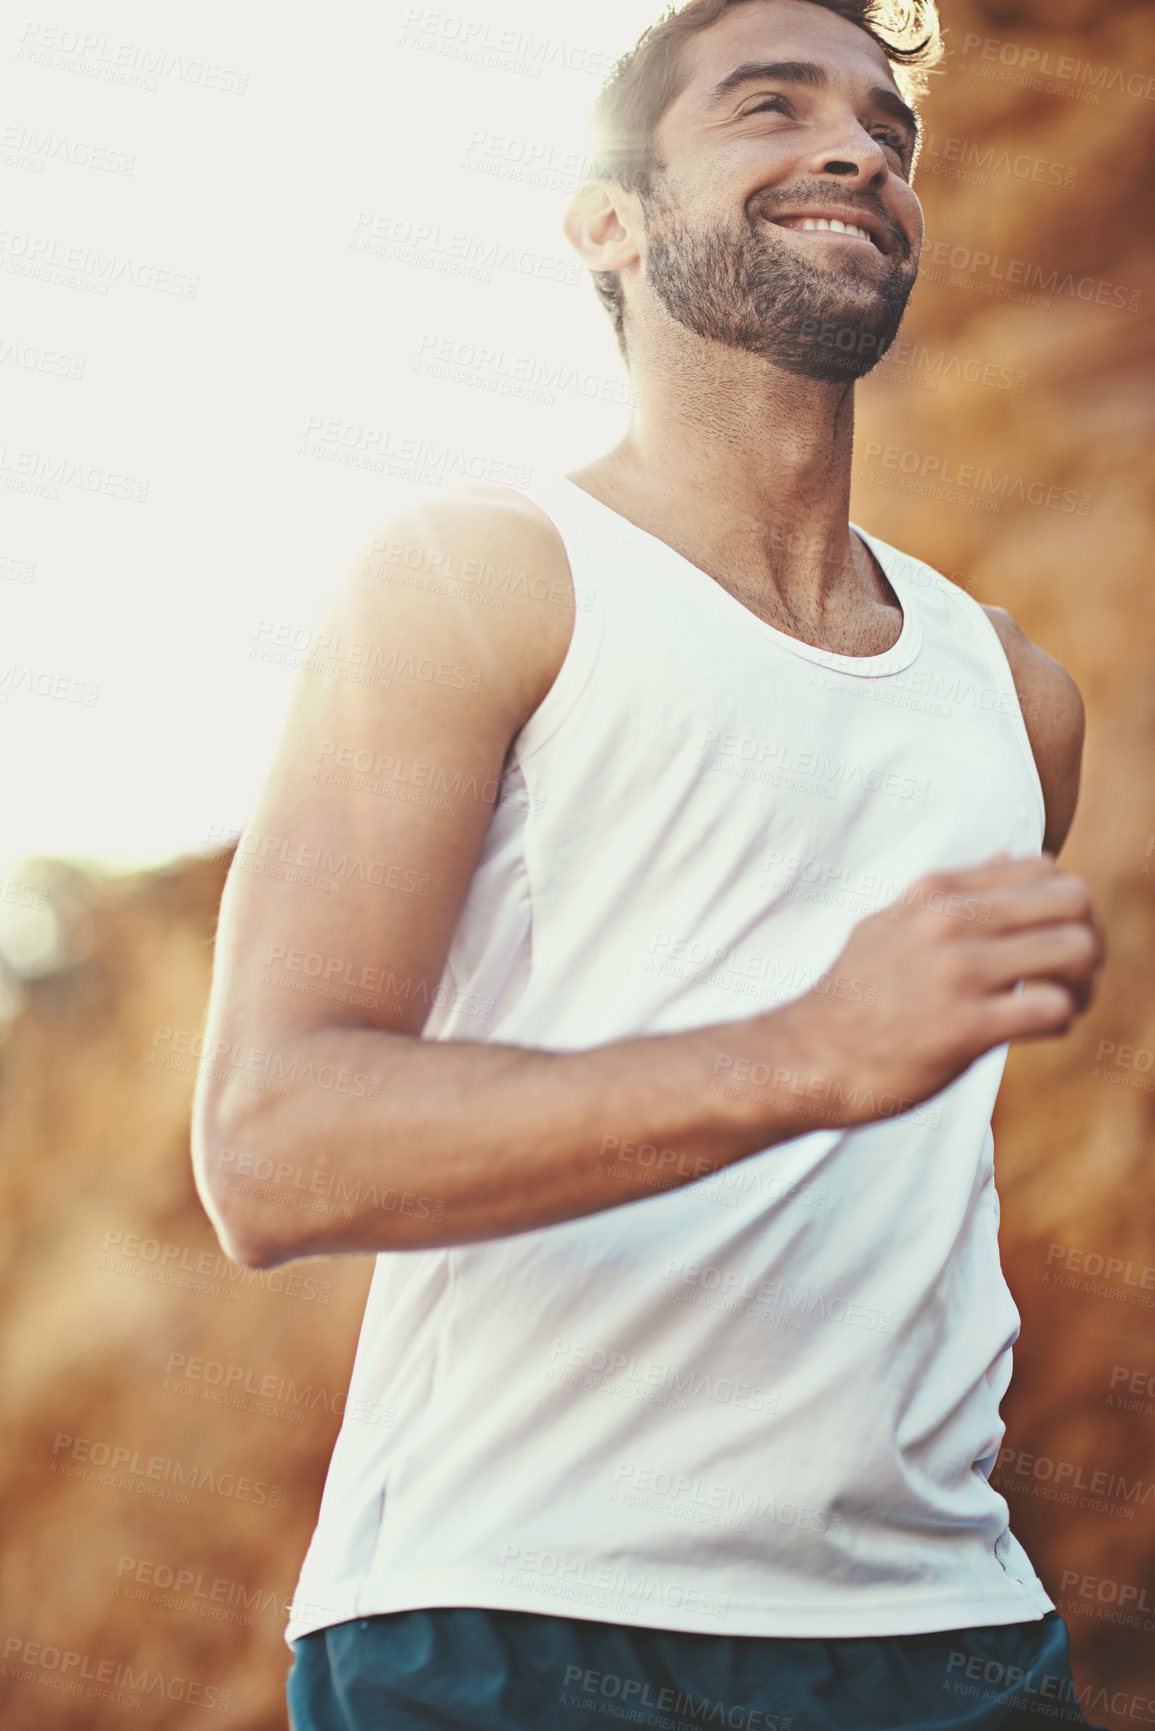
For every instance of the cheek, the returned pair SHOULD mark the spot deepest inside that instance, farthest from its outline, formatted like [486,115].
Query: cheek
[909,213]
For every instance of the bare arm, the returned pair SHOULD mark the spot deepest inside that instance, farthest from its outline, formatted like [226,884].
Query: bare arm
[377,1139]
[1053,712]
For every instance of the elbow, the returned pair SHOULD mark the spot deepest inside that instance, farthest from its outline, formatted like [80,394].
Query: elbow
[242,1228]
[242,1244]
[237,1221]
[226,1188]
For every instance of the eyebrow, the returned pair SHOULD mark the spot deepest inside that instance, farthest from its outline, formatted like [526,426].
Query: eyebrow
[816,77]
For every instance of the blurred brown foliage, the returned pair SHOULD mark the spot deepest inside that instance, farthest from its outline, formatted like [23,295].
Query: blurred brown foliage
[96,1128]
[94,1115]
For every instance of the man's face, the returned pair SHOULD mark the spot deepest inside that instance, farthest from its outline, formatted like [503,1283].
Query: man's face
[754,160]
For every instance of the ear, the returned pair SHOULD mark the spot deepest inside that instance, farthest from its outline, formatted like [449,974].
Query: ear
[604,225]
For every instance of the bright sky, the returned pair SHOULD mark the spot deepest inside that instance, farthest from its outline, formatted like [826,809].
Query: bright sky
[308,176]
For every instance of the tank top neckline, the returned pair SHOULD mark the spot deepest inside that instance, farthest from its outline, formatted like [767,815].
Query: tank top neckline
[893,660]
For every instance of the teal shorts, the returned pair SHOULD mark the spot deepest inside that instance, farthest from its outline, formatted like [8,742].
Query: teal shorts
[464,1669]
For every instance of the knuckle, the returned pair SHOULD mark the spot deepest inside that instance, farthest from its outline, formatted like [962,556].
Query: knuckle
[937,883]
[1080,897]
[1084,944]
[955,968]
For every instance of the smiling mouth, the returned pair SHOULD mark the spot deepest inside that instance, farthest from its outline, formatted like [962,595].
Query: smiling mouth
[829,225]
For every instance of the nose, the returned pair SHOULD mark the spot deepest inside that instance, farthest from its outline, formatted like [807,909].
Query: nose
[856,157]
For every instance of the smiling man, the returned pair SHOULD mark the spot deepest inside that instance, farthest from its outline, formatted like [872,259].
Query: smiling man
[675,915]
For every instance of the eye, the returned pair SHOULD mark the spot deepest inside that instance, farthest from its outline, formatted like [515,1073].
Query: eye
[778,102]
[891,136]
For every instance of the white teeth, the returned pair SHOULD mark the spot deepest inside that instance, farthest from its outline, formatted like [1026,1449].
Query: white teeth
[835,226]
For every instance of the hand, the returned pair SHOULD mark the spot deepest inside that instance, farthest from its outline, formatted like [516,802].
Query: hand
[963,961]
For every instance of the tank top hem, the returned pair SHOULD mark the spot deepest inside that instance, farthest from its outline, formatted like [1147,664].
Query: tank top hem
[920,1613]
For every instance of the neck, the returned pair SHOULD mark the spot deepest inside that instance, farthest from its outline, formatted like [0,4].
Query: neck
[743,467]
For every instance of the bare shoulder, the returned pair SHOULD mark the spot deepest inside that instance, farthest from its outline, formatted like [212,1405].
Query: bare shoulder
[491,522]
[481,539]
[1046,690]
[1053,711]
[482,570]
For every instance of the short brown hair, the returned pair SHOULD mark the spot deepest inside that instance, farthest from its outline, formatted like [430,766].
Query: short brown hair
[648,77]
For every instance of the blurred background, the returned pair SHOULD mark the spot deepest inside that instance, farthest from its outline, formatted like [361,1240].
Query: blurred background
[235,246]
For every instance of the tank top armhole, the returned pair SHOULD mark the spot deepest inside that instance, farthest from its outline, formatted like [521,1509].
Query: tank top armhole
[573,675]
[1004,681]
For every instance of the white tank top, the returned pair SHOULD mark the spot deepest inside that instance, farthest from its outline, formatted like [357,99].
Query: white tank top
[767,1402]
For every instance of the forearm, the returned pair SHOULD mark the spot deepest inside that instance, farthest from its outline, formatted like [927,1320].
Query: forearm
[438,1143]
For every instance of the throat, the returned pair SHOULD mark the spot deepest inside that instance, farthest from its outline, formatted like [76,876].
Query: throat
[870,628]
[862,618]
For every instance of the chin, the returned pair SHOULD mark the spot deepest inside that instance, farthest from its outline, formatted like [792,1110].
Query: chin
[826,368]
